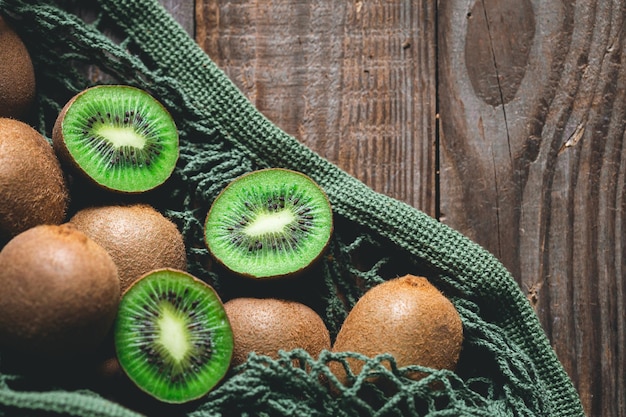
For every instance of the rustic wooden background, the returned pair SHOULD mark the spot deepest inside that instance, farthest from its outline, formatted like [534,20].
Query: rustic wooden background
[503,118]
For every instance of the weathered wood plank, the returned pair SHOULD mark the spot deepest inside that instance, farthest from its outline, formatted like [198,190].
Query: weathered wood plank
[355,81]
[532,103]
[184,13]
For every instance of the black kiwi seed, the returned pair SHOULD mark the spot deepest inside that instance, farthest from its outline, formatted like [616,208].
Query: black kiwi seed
[172,336]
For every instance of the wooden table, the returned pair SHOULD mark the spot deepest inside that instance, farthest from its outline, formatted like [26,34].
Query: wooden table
[504,119]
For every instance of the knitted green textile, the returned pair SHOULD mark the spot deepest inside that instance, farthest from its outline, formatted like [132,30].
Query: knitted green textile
[507,366]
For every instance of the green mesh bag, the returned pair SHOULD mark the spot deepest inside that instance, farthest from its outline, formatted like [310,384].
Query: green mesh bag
[507,366]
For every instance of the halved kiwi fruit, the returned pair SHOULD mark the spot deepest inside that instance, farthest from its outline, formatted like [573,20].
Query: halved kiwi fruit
[118,136]
[269,223]
[172,336]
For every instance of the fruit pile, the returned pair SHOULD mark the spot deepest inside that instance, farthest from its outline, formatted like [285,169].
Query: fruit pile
[114,275]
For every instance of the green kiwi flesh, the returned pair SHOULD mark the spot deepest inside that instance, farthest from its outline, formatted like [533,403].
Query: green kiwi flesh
[119,136]
[269,223]
[172,336]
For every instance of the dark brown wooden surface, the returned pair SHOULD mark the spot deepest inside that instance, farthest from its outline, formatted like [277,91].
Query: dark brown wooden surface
[505,119]
[532,161]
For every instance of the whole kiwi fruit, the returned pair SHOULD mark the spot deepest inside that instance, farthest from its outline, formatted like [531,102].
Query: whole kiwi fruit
[137,236]
[33,189]
[17,74]
[407,317]
[60,292]
[267,325]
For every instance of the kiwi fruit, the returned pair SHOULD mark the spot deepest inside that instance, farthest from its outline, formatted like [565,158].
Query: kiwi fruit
[117,136]
[33,189]
[269,223]
[267,325]
[406,317]
[17,75]
[60,292]
[137,236]
[172,336]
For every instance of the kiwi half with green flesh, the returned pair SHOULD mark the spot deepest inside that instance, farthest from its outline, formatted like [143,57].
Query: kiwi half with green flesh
[118,136]
[269,223]
[172,336]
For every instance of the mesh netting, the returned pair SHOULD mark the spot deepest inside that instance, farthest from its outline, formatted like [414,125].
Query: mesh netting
[506,367]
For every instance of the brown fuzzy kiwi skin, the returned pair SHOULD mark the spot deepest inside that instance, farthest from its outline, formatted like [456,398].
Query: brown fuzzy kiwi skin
[267,325]
[137,236]
[60,292]
[17,75]
[407,317]
[33,188]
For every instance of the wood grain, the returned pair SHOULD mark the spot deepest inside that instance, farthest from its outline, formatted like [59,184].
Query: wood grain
[184,13]
[533,162]
[355,81]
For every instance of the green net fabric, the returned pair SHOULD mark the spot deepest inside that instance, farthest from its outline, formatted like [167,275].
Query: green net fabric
[507,366]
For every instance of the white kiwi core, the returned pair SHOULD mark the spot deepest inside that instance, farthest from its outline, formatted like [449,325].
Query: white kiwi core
[269,223]
[120,136]
[173,334]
